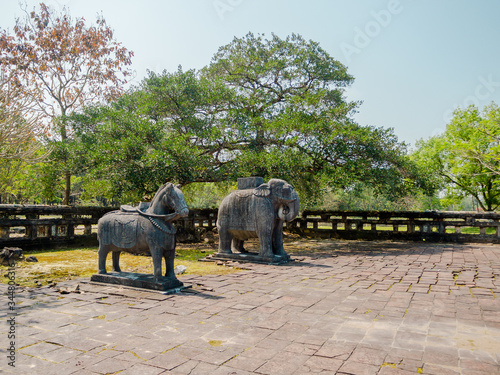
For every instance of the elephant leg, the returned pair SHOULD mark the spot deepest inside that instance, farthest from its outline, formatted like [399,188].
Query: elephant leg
[265,240]
[169,256]
[116,261]
[224,241]
[102,254]
[157,255]
[237,246]
[278,239]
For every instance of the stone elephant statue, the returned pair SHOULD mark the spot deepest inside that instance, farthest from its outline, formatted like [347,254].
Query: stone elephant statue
[257,213]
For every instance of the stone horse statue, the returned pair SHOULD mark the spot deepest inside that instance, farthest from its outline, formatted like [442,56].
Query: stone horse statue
[142,229]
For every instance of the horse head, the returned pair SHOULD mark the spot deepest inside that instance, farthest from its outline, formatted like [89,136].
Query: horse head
[169,201]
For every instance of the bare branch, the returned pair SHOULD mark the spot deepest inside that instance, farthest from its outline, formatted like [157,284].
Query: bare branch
[19,125]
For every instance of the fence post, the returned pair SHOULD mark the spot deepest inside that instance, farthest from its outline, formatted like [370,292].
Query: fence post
[441,227]
[411,227]
[303,222]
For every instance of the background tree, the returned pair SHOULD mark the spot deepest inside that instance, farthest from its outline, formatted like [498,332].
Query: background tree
[21,149]
[63,65]
[465,158]
[20,127]
[273,108]
[486,126]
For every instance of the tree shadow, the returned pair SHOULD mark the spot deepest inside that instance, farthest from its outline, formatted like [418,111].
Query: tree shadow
[333,248]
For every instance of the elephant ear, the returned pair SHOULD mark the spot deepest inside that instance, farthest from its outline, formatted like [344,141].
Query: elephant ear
[263,190]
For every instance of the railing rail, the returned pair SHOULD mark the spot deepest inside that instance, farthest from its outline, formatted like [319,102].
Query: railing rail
[33,227]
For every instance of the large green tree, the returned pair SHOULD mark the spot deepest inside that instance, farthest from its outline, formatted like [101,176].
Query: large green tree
[465,158]
[269,107]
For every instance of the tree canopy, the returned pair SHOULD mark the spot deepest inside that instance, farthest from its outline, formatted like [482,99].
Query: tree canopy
[269,107]
[465,158]
[20,128]
[62,65]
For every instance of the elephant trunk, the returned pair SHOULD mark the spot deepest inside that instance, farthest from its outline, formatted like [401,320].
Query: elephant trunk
[289,208]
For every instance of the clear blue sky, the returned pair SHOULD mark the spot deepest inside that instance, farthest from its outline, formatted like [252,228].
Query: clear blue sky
[413,61]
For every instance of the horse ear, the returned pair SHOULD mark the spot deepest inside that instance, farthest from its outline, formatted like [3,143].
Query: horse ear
[178,186]
[263,190]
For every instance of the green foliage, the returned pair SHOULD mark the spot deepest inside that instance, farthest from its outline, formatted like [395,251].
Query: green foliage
[160,132]
[465,158]
[207,195]
[20,181]
[62,64]
[268,107]
[362,197]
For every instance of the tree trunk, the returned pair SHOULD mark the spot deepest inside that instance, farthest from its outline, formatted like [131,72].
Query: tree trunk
[67,173]
[67,188]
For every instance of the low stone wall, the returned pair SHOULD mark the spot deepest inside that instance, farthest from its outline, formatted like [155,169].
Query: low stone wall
[401,225]
[36,227]
[33,227]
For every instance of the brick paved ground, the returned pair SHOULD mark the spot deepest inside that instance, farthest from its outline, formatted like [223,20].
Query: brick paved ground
[346,308]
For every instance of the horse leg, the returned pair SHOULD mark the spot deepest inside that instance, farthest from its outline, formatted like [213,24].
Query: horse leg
[157,255]
[102,255]
[116,261]
[169,256]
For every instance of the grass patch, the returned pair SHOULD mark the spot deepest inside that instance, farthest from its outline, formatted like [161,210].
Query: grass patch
[475,230]
[54,266]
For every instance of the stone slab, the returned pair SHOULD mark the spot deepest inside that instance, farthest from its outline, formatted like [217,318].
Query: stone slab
[249,182]
[251,258]
[139,280]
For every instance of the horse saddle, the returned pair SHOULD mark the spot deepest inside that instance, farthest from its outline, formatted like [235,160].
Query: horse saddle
[158,221]
[142,207]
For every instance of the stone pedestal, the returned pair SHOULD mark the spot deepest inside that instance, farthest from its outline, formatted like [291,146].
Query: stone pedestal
[140,280]
[251,258]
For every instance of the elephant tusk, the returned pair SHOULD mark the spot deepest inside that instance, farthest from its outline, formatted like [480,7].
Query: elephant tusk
[283,212]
